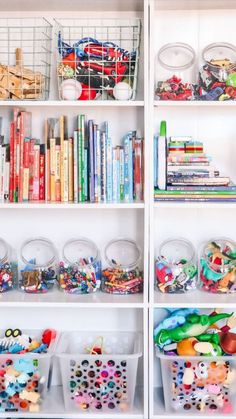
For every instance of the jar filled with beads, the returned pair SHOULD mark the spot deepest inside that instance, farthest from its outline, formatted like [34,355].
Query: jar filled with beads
[38,265]
[123,274]
[80,268]
[217,75]
[8,267]
[175,72]
[176,267]
[218,266]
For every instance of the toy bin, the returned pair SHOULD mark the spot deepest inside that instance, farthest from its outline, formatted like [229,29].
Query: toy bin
[8,267]
[24,377]
[176,266]
[198,385]
[38,266]
[175,72]
[217,75]
[97,58]
[25,58]
[80,268]
[99,372]
[122,274]
[218,266]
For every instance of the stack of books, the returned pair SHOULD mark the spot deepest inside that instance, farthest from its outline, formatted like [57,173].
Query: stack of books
[85,167]
[187,173]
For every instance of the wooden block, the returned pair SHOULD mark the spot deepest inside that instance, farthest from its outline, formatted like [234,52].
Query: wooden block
[25,73]
[31,396]
[34,408]
[33,95]
[4,94]
[12,84]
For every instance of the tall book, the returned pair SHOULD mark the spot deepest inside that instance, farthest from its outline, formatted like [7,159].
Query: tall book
[98,164]
[66,170]
[91,160]
[114,175]
[76,196]
[42,173]
[36,172]
[70,169]
[62,138]
[57,170]
[138,169]
[81,139]
[53,168]
[162,157]
[31,169]
[109,169]
[103,167]
[122,174]
[25,131]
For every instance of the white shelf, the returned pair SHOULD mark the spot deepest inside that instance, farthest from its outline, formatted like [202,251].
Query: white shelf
[195,205]
[199,299]
[160,412]
[53,407]
[58,298]
[71,206]
[194,4]
[194,103]
[73,104]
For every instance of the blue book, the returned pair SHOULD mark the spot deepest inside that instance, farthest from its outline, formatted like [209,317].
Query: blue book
[103,167]
[126,168]
[109,169]
[122,181]
[118,173]
[91,160]
[114,175]
[86,191]
[155,159]
[98,165]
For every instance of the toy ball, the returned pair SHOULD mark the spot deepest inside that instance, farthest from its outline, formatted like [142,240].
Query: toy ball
[71,89]
[88,93]
[71,60]
[122,91]
[48,336]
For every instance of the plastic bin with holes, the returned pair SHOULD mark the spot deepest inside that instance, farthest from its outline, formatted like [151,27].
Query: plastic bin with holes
[25,377]
[99,370]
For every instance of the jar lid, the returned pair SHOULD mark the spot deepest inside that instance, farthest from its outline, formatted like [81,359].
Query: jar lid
[220,55]
[174,252]
[176,56]
[80,251]
[123,253]
[220,253]
[4,249]
[38,252]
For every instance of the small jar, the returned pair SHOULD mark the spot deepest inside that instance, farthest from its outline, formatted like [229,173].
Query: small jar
[39,265]
[175,72]
[217,76]
[176,267]
[123,274]
[80,268]
[218,266]
[8,267]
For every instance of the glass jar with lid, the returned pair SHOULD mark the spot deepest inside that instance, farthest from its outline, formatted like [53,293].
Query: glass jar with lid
[122,274]
[218,266]
[175,72]
[38,265]
[217,75]
[8,267]
[80,267]
[176,266]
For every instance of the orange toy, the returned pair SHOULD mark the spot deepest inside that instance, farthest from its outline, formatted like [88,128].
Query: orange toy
[186,347]
[217,373]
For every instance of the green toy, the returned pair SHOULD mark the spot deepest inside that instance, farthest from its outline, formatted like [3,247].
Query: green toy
[194,326]
[231,80]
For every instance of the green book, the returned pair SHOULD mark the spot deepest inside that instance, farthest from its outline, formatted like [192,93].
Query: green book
[81,140]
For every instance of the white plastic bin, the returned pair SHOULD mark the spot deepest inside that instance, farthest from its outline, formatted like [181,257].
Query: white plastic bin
[24,378]
[210,384]
[99,382]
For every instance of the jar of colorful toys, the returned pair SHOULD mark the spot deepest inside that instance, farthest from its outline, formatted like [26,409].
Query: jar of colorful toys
[176,266]
[218,266]
[38,265]
[123,274]
[80,268]
[175,72]
[8,267]
[217,76]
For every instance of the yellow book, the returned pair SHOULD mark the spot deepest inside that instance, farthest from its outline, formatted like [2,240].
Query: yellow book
[58,172]
[71,170]
[62,138]
[26,184]
[53,168]
[66,171]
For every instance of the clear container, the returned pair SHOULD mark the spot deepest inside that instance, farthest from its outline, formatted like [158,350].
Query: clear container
[80,268]
[176,266]
[217,76]
[175,72]
[99,369]
[25,377]
[123,274]
[8,267]
[38,265]
[218,266]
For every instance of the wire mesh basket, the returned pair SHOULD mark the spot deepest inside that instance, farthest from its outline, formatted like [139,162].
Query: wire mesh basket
[25,55]
[98,58]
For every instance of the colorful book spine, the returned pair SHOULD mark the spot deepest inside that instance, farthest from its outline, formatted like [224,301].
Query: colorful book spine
[76,197]
[126,168]
[70,170]
[25,195]
[31,169]
[57,171]
[66,170]
[17,159]
[11,161]
[98,164]
[138,169]
[103,167]
[6,185]
[130,170]
[114,176]
[109,169]
[36,172]
[155,159]
[42,172]
[2,169]
[62,138]
[122,174]
[91,160]
[95,163]
[86,165]
[81,161]
[25,131]
[53,168]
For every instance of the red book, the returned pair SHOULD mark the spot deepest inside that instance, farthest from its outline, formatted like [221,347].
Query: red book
[25,132]
[31,169]
[42,173]
[137,169]
[36,172]
[26,153]
[16,122]
[11,162]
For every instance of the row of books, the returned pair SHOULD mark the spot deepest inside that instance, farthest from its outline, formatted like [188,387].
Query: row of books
[184,172]
[80,168]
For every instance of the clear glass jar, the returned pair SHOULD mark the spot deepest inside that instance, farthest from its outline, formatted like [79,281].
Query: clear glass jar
[80,268]
[8,267]
[217,75]
[175,72]
[176,267]
[38,265]
[123,274]
[218,266]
